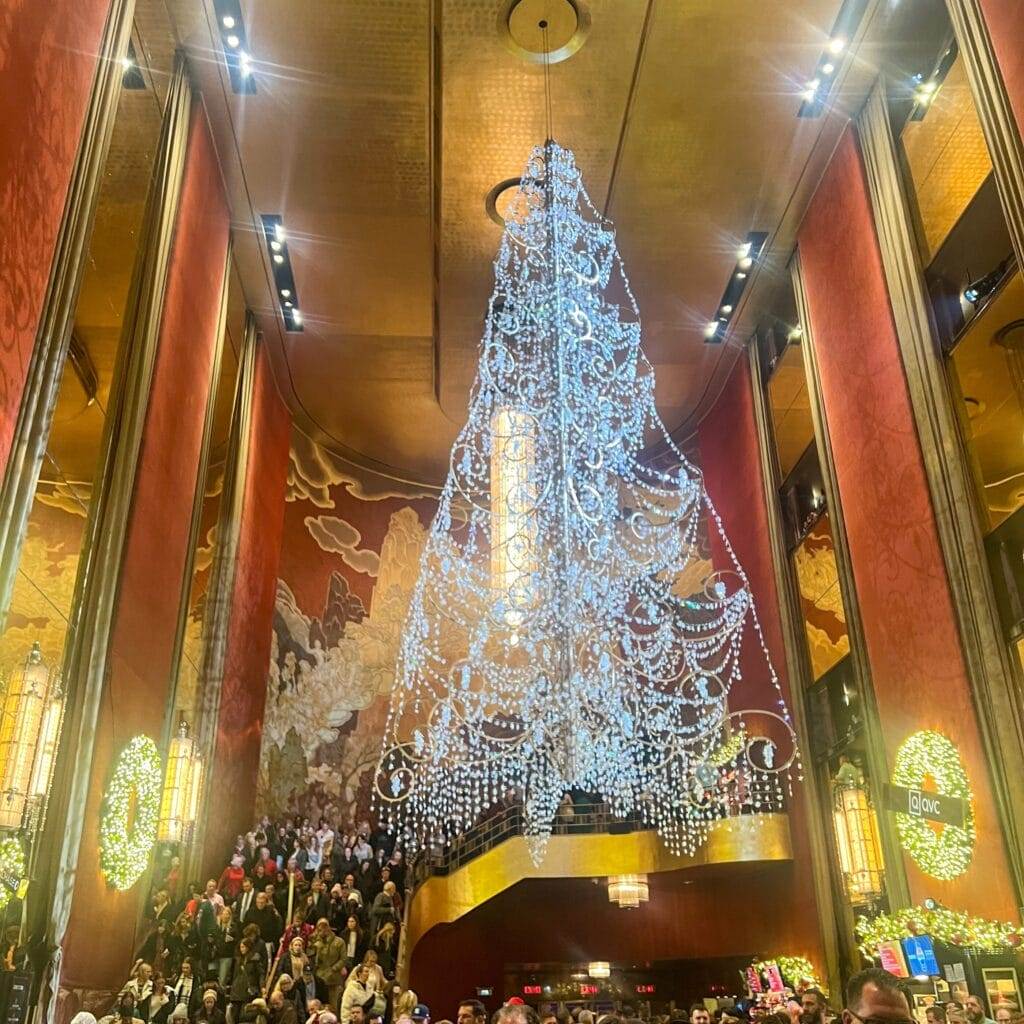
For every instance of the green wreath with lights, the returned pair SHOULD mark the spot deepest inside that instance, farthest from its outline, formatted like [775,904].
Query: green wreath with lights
[947,854]
[793,969]
[953,927]
[12,867]
[126,838]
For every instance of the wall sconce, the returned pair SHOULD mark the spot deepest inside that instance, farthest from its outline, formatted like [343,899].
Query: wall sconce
[182,782]
[30,724]
[860,852]
[629,891]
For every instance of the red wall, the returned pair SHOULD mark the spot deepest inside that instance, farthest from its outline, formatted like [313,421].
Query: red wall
[141,648]
[745,912]
[240,725]
[47,63]
[909,623]
[1005,19]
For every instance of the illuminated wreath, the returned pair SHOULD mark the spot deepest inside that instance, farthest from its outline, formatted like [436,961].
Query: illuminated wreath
[944,854]
[12,867]
[131,809]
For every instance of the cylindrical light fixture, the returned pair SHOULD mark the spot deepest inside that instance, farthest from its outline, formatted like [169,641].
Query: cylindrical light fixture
[29,730]
[176,804]
[629,891]
[860,851]
[599,969]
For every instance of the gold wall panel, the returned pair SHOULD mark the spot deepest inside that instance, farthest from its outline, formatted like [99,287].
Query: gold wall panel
[445,898]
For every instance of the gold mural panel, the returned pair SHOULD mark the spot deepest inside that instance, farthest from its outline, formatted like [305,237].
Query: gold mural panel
[821,598]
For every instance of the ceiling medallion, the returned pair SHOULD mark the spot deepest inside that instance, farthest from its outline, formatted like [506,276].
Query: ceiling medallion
[566,25]
[549,644]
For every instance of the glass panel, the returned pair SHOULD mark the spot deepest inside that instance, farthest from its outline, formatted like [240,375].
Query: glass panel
[790,408]
[947,159]
[820,598]
[41,599]
[987,371]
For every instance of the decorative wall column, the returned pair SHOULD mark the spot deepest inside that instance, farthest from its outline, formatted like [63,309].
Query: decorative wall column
[60,69]
[896,884]
[945,463]
[918,666]
[991,39]
[842,955]
[241,609]
[731,463]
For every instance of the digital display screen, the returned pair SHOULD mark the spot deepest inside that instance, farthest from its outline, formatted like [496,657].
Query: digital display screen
[921,955]
[891,955]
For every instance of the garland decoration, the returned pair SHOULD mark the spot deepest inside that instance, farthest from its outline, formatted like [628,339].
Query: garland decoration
[794,969]
[946,853]
[131,809]
[954,927]
[12,867]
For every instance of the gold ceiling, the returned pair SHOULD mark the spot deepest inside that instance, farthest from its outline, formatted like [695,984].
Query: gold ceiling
[378,130]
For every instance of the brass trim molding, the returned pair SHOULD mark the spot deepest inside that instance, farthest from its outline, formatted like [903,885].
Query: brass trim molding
[1002,133]
[96,587]
[835,915]
[198,498]
[53,335]
[896,884]
[442,899]
[220,588]
[952,494]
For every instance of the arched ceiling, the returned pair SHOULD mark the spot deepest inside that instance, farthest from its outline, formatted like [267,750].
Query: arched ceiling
[379,127]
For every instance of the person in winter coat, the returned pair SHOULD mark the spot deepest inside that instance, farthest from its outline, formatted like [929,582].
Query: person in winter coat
[329,958]
[357,993]
[246,979]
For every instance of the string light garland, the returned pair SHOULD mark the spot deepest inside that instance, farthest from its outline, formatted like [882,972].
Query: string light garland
[12,868]
[943,853]
[954,927]
[546,648]
[797,970]
[131,810]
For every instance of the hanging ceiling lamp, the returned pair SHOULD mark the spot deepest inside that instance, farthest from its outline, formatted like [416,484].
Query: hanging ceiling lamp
[546,646]
[629,891]
[599,969]
[179,802]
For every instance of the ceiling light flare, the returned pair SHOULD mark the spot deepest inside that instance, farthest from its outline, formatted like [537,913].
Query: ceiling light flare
[233,41]
[727,309]
[279,233]
[275,245]
[710,328]
[286,292]
[127,63]
[278,258]
[827,69]
[228,21]
[245,64]
[296,316]
[836,45]
[746,263]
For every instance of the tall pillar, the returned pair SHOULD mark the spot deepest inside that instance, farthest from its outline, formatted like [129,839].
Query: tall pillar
[137,559]
[918,666]
[730,460]
[60,76]
[241,605]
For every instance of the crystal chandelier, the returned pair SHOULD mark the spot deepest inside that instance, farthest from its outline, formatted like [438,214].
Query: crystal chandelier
[551,643]
[629,891]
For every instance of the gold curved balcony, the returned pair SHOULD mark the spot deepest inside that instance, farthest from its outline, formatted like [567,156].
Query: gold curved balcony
[443,898]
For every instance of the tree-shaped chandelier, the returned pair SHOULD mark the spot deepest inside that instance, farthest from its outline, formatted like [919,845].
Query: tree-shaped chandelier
[552,643]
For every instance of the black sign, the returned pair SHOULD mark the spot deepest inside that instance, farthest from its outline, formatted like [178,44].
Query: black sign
[918,803]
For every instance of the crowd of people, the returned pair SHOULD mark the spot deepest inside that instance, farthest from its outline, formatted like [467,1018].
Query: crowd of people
[302,925]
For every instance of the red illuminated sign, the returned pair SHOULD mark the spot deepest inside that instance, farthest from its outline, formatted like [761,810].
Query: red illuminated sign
[532,990]
[587,990]
[645,990]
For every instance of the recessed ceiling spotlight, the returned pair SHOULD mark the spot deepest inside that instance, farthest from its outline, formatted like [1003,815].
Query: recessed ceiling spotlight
[836,45]
[827,69]
[286,292]
[743,251]
[245,64]
[228,21]
[279,232]
[812,85]
[127,63]
[727,309]
[278,257]
[296,317]
[289,303]
[275,245]
[746,264]
[233,41]
[740,276]
[710,328]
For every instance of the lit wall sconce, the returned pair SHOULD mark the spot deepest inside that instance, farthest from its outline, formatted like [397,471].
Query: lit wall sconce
[860,851]
[629,891]
[33,712]
[182,782]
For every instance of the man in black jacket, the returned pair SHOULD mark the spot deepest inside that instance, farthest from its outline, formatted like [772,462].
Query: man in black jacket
[268,920]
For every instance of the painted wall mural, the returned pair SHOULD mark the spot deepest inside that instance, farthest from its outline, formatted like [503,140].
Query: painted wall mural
[820,598]
[349,561]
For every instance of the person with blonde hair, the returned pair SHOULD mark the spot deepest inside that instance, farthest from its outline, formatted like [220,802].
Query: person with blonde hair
[375,978]
[140,983]
[357,993]
[405,1005]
